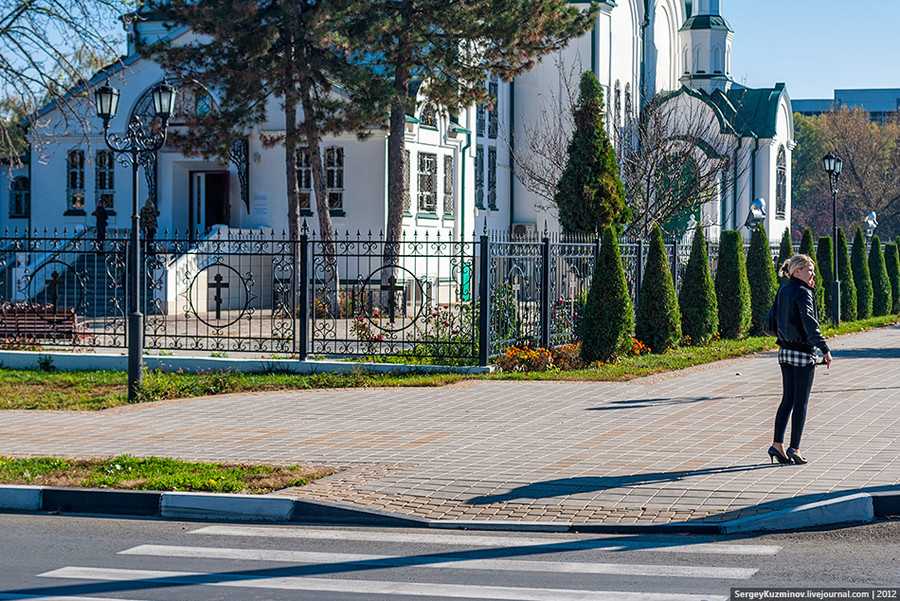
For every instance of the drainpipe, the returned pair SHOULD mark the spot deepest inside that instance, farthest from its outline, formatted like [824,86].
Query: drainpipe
[386,184]
[30,196]
[462,191]
[512,142]
[753,171]
[642,90]
[594,47]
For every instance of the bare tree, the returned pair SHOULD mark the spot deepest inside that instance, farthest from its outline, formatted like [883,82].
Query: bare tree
[45,48]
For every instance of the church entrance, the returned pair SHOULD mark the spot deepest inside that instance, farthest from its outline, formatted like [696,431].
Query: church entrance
[209,203]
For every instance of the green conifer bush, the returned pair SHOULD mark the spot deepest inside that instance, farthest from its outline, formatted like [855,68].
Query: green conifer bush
[785,252]
[859,265]
[697,297]
[882,303]
[808,248]
[732,288]
[658,320]
[892,262]
[825,255]
[608,322]
[761,276]
[845,275]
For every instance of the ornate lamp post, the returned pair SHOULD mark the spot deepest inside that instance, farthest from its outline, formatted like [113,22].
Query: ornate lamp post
[833,165]
[871,224]
[129,148]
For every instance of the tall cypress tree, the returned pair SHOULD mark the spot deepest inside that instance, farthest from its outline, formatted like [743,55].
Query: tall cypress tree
[608,322]
[882,303]
[892,263]
[589,194]
[808,248]
[658,321]
[825,255]
[697,297]
[732,288]
[761,276]
[845,275]
[862,279]
[785,252]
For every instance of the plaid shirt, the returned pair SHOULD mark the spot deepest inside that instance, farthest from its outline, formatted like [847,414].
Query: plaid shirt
[796,358]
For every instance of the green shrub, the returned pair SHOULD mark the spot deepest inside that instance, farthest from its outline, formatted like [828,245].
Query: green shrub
[859,264]
[826,266]
[608,322]
[845,275]
[892,262]
[658,321]
[697,297]
[761,277]
[785,252]
[808,248]
[882,303]
[732,288]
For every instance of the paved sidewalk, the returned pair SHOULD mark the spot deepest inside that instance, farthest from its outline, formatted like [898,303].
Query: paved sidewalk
[688,446]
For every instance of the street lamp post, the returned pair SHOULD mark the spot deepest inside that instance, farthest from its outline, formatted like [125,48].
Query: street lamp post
[833,165]
[129,148]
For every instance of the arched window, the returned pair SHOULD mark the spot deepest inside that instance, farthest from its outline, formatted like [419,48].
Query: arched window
[428,117]
[19,198]
[717,59]
[781,184]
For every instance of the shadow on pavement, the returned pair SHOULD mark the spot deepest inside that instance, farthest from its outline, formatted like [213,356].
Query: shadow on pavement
[867,353]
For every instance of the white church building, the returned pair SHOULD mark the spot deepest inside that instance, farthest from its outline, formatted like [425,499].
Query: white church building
[461,177]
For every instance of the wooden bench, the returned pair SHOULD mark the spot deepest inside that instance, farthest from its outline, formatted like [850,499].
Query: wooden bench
[27,322]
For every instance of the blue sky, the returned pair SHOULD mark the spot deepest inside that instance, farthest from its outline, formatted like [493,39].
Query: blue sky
[815,46]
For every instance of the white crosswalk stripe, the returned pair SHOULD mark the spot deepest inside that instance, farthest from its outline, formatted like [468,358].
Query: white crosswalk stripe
[480,540]
[371,587]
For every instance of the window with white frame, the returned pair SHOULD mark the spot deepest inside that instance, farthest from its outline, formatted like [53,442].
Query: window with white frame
[427,182]
[304,180]
[449,178]
[492,178]
[480,111]
[407,157]
[75,180]
[104,178]
[202,103]
[334,177]
[781,184]
[479,177]
[492,126]
[19,198]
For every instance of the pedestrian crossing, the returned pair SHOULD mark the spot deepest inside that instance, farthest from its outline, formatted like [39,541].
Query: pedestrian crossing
[319,563]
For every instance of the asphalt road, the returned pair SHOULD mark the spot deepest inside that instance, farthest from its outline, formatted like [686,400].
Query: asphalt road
[54,557]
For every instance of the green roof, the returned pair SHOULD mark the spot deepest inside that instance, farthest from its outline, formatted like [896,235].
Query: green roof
[706,22]
[758,108]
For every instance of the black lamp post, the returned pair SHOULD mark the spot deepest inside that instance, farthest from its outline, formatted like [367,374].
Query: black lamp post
[129,148]
[833,165]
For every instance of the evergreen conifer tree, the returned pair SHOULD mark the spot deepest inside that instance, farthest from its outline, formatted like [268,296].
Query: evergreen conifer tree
[732,288]
[845,276]
[785,252]
[589,194]
[825,255]
[862,279]
[892,263]
[761,276]
[808,248]
[658,320]
[697,297]
[608,322]
[882,303]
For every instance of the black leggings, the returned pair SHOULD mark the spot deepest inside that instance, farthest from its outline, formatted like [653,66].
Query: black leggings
[797,382]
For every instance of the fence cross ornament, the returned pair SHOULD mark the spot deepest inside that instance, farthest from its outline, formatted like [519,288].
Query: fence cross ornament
[218,285]
[54,282]
[392,288]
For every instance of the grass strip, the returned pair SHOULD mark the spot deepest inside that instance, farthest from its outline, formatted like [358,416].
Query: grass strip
[155,473]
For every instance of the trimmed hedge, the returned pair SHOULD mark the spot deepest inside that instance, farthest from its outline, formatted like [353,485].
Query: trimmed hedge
[808,248]
[882,303]
[845,275]
[859,263]
[732,287]
[785,252]
[892,263]
[697,297]
[658,320]
[826,265]
[608,322]
[761,277]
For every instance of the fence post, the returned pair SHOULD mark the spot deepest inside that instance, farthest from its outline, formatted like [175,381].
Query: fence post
[545,292]
[484,301]
[303,337]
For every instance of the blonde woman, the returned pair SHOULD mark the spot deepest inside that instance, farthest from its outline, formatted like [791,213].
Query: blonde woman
[798,337]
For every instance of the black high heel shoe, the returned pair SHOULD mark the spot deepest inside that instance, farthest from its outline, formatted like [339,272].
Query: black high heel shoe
[796,457]
[774,454]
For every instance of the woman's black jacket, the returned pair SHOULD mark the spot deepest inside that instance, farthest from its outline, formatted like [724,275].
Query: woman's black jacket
[797,323]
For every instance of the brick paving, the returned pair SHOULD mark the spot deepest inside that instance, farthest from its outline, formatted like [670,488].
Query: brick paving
[677,447]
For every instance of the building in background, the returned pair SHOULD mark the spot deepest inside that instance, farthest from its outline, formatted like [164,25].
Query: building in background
[882,104]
